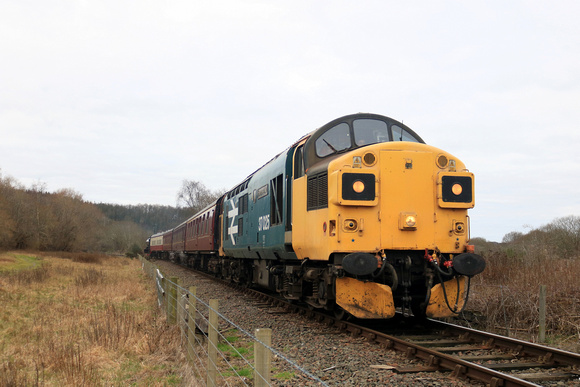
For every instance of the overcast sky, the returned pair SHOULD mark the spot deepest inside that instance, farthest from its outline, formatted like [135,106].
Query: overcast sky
[122,100]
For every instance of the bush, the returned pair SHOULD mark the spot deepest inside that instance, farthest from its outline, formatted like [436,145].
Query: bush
[134,251]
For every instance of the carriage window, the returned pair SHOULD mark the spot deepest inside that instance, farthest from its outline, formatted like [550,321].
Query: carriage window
[333,140]
[367,131]
[400,134]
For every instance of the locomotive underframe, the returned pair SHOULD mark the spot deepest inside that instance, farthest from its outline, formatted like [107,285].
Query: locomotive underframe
[314,282]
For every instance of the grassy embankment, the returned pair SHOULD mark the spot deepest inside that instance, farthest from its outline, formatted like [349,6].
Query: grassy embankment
[82,319]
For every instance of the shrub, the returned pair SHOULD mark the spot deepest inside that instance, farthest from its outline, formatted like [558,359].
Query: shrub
[134,251]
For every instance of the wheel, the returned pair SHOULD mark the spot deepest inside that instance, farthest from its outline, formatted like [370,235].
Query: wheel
[341,314]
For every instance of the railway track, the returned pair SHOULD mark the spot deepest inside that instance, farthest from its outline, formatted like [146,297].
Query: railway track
[463,352]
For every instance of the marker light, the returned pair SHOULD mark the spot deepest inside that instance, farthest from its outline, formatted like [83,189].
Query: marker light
[442,161]
[358,186]
[457,189]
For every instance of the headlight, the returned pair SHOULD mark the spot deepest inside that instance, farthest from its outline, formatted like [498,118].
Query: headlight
[456,190]
[410,221]
[358,186]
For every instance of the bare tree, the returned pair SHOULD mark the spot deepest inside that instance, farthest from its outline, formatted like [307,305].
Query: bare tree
[195,196]
[512,237]
[566,234]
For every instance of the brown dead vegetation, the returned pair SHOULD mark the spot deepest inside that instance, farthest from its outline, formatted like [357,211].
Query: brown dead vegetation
[69,322]
[505,297]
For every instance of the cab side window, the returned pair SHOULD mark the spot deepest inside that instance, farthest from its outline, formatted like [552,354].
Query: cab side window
[299,162]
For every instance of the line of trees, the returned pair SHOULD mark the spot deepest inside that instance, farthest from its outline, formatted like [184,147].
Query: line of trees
[561,237]
[153,218]
[191,198]
[33,218]
[558,239]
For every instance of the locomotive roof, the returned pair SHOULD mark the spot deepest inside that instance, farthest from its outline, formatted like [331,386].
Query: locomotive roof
[313,157]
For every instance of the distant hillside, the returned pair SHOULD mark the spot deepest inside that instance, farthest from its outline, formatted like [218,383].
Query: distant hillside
[153,218]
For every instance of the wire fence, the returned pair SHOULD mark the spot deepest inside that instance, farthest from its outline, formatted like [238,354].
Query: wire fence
[220,351]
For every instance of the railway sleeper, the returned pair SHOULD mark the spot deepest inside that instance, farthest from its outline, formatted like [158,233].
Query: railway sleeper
[486,357]
[549,376]
[415,369]
[439,343]
[517,366]
[461,348]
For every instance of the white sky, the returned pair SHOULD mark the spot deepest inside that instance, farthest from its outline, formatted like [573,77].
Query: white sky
[122,100]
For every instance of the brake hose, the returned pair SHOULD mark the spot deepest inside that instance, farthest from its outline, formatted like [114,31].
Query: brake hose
[457,297]
[392,271]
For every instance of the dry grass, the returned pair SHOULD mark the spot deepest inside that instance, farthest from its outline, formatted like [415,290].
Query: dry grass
[83,320]
[505,297]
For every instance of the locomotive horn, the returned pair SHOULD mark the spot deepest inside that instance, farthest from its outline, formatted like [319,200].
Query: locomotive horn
[360,263]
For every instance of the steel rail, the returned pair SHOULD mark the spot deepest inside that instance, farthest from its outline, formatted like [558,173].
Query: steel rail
[554,355]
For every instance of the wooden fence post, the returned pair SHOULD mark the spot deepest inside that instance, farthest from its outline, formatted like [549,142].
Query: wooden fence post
[181,312]
[262,357]
[172,300]
[212,343]
[542,334]
[191,323]
[164,291]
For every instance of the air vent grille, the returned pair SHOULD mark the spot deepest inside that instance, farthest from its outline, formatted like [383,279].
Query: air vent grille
[317,195]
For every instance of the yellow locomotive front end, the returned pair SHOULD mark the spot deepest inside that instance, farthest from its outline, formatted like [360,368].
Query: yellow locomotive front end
[393,230]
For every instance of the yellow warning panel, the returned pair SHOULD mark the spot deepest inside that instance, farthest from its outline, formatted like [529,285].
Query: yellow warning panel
[438,307]
[364,299]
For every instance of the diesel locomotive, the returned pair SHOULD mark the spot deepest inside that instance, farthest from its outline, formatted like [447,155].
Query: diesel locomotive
[359,217]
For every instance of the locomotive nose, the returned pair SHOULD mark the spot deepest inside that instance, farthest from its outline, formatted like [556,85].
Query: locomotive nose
[468,264]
